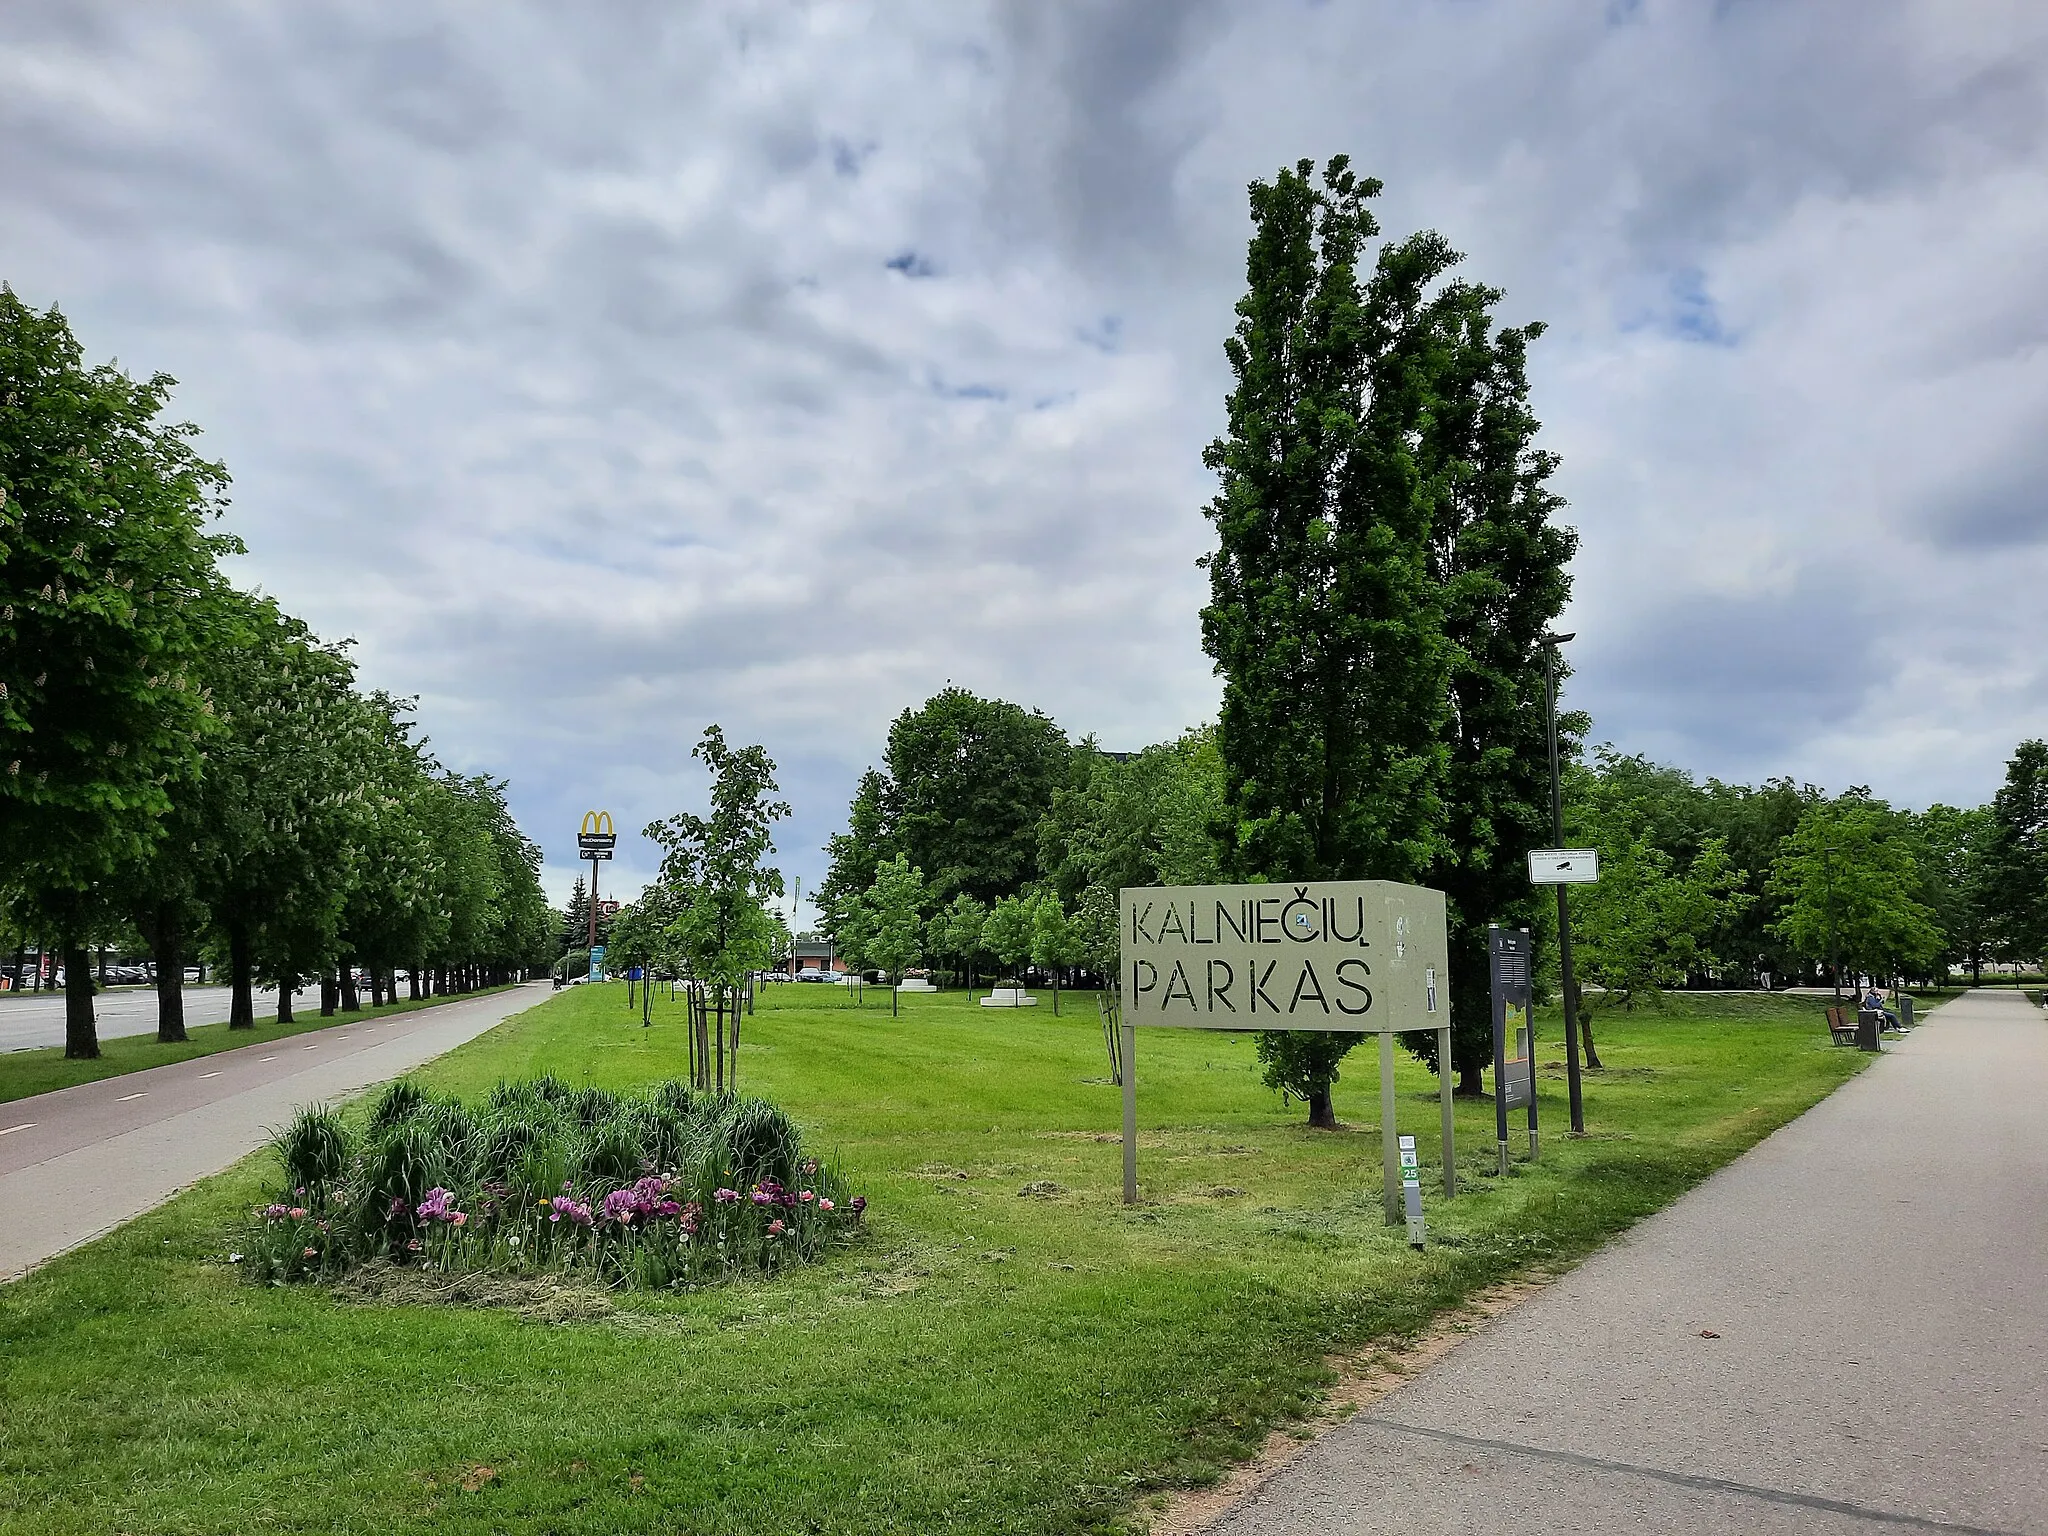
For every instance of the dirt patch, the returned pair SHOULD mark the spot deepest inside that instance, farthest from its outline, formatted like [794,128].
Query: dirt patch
[537,1298]
[1362,1380]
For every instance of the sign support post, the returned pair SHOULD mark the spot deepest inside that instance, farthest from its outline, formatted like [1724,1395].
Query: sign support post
[1445,1086]
[1390,1152]
[1130,1077]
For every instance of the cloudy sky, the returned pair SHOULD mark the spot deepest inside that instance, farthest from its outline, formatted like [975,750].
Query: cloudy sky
[608,370]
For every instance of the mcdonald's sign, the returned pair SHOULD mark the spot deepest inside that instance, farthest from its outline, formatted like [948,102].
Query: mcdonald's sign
[597,834]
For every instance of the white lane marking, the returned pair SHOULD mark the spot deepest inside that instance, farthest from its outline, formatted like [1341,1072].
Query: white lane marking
[26,1125]
[127,1096]
[205,1075]
[266,1058]
[314,1046]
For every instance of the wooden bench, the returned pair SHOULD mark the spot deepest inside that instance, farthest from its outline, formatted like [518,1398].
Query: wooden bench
[1842,1025]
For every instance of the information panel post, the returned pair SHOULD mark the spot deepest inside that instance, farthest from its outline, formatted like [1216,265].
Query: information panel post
[1330,955]
[1514,1067]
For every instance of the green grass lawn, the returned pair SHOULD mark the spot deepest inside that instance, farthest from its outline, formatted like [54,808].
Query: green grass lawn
[42,1071]
[984,1362]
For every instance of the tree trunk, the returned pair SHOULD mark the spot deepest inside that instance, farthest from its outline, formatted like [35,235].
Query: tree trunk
[351,1001]
[20,961]
[330,994]
[286,985]
[1322,1114]
[1586,1037]
[168,944]
[241,1004]
[81,1035]
[412,983]
[100,975]
[1471,1082]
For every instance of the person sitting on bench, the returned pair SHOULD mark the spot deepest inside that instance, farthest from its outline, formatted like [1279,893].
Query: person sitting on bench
[1873,1002]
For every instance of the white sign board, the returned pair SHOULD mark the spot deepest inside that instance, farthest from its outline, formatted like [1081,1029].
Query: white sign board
[1327,955]
[1564,866]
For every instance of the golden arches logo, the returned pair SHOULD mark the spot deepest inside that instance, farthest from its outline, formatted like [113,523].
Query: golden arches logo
[597,824]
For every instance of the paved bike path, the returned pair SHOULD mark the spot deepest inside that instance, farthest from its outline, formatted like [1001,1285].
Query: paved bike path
[1845,1330]
[82,1160]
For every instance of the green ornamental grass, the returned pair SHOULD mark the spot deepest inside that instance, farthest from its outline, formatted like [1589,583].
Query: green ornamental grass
[662,1188]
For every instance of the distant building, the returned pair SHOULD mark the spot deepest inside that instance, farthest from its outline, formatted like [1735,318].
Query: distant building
[813,955]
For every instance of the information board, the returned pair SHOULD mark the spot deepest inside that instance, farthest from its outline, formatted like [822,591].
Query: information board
[1369,955]
[1510,954]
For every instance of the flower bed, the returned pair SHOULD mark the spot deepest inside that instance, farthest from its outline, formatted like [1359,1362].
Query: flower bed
[670,1189]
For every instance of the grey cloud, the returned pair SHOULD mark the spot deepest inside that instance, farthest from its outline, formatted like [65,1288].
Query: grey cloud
[1751,674]
[2004,508]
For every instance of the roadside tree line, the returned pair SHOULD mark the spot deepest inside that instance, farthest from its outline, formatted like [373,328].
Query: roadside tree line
[184,761]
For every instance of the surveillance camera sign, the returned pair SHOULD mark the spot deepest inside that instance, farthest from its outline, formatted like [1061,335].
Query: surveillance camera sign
[1369,955]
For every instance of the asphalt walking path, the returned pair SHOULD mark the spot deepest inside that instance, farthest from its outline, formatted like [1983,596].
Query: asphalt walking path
[82,1160]
[1845,1330]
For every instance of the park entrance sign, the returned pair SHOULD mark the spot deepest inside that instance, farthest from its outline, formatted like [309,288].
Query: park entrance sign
[1367,955]
[1371,956]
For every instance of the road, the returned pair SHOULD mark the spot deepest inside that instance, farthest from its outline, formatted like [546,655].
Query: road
[34,1019]
[82,1160]
[1845,1330]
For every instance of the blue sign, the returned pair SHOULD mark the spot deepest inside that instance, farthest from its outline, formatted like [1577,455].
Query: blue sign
[597,962]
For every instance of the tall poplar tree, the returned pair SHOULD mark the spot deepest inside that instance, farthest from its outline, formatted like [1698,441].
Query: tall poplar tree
[1324,619]
[1498,556]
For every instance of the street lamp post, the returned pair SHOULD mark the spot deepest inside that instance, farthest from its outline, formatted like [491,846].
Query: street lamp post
[1564,910]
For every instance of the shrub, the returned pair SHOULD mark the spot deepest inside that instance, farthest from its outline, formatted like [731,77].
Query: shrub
[401,1096]
[314,1149]
[759,1141]
[667,1189]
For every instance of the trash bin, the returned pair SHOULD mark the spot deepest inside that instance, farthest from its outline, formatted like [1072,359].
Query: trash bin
[1869,1022]
[1905,1010]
